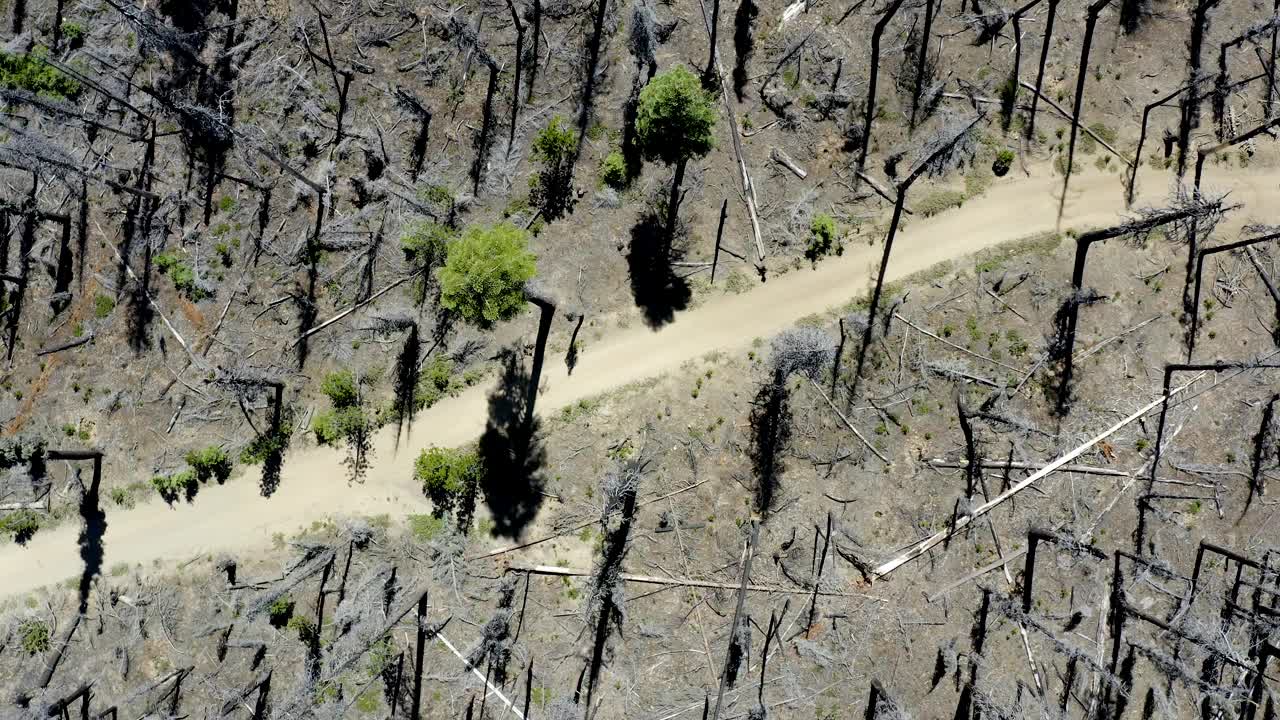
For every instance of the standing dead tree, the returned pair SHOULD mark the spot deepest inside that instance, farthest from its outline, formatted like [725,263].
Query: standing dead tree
[730,669]
[1009,90]
[605,606]
[1189,118]
[923,66]
[869,109]
[1183,210]
[1082,73]
[1269,234]
[1045,44]
[1222,81]
[271,443]
[949,148]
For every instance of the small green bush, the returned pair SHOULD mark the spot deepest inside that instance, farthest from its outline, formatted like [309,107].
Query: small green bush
[824,238]
[435,381]
[171,486]
[30,72]
[426,527]
[102,306]
[21,524]
[211,462]
[341,389]
[1004,161]
[613,170]
[330,427]
[35,636]
[449,478]
[280,612]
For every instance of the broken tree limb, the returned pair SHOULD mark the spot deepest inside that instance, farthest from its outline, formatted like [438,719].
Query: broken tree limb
[785,161]
[497,692]
[1086,469]
[744,175]
[1086,353]
[683,582]
[977,574]
[848,424]
[882,191]
[354,308]
[67,345]
[955,346]
[929,543]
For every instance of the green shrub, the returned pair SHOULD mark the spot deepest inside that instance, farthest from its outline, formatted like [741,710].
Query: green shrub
[425,245]
[305,628]
[74,33]
[553,149]
[824,238]
[35,636]
[937,201]
[435,381]
[102,306]
[348,422]
[171,486]
[613,170]
[1004,161]
[341,389]
[280,612]
[211,462]
[425,527]
[30,72]
[449,478]
[21,524]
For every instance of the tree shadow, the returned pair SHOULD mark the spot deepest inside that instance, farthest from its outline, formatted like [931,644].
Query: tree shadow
[770,439]
[91,534]
[512,452]
[658,291]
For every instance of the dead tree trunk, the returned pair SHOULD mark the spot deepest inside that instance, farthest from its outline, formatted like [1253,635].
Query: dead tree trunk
[1091,19]
[900,198]
[1265,444]
[1044,57]
[419,151]
[1193,326]
[973,464]
[1009,93]
[747,553]
[536,30]
[415,709]
[870,110]
[515,78]
[1190,116]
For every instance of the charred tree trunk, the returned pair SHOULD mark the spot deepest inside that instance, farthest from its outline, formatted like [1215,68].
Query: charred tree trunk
[415,711]
[515,78]
[547,312]
[1091,20]
[870,110]
[743,43]
[709,75]
[1044,57]
[1265,443]
[593,60]
[1190,115]
[973,465]
[536,29]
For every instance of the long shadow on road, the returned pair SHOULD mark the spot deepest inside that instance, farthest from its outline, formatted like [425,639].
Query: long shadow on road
[513,454]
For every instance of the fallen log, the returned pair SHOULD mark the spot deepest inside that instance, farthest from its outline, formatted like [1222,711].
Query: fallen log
[785,161]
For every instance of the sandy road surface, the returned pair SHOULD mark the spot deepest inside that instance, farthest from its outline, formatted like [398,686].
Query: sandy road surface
[235,518]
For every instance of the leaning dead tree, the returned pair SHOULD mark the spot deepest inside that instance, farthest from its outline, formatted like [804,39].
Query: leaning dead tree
[951,147]
[1269,234]
[1045,44]
[1183,211]
[1189,117]
[869,107]
[1082,73]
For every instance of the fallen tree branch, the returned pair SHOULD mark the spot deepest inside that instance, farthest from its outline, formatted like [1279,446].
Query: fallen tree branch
[1086,353]
[785,161]
[1083,129]
[1086,469]
[353,308]
[882,191]
[955,346]
[848,424]
[67,345]
[683,582]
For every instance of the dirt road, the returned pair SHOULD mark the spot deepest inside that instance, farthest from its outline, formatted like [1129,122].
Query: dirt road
[235,518]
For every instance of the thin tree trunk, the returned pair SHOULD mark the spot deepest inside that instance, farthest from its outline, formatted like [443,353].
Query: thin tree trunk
[724,212]
[867,333]
[870,113]
[533,53]
[515,78]
[546,315]
[1044,56]
[1190,117]
[710,73]
[1082,74]
[416,708]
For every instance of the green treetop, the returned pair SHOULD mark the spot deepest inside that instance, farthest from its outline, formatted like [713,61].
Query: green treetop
[484,274]
[676,117]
